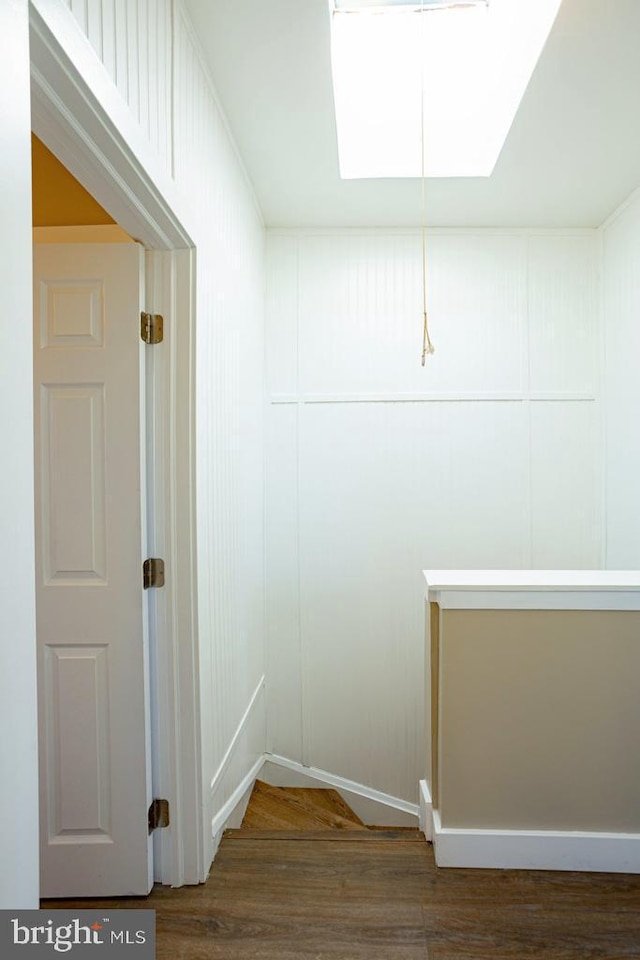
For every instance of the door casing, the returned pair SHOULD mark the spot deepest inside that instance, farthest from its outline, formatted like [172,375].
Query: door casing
[75,115]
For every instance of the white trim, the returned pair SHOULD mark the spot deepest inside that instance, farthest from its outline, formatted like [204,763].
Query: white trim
[302,232]
[79,115]
[341,783]
[451,397]
[171,535]
[93,233]
[523,581]
[181,520]
[224,763]
[425,816]
[534,589]
[532,600]
[227,809]
[536,849]
[19,874]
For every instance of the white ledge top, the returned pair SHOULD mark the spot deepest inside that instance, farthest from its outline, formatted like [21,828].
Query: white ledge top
[535,589]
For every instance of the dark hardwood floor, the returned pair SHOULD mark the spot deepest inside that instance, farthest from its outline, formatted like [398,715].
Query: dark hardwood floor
[318,894]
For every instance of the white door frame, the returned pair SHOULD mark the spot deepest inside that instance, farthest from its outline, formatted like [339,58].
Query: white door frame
[78,115]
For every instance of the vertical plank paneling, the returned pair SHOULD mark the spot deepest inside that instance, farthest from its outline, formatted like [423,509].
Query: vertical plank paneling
[164,99]
[282,315]
[80,12]
[152,37]
[361,332]
[394,468]
[142,64]
[284,661]
[122,49]
[230,405]
[565,483]
[621,269]
[109,38]
[561,283]
[133,73]
[94,25]
[133,39]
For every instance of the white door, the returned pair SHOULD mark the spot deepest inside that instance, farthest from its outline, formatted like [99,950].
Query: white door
[92,643]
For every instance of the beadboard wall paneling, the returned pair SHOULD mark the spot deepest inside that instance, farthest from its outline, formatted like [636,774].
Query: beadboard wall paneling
[133,39]
[379,468]
[562,277]
[152,55]
[566,492]
[361,314]
[621,307]
[284,653]
[373,514]
[282,316]
[230,408]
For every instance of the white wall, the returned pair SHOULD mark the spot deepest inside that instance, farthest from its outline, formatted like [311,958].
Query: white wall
[621,309]
[230,411]
[153,59]
[19,875]
[377,468]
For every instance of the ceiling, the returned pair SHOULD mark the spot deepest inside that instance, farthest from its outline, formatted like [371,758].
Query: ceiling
[571,157]
[57,199]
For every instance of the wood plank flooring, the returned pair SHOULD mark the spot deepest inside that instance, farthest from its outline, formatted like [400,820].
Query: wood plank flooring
[318,894]
[301,808]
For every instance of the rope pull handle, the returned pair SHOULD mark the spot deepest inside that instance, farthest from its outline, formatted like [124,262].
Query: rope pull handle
[427,346]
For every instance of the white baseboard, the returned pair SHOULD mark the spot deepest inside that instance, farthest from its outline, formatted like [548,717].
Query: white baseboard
[224,763]
[425,810]
[372,806]
[234,821]
[231,812]
[239,796]
[536,849]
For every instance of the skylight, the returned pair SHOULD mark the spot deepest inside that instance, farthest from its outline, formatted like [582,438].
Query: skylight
[466,64]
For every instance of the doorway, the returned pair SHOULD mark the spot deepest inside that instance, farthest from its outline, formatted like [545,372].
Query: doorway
[77,131]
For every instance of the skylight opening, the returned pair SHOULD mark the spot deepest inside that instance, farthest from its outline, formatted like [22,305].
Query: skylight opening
[472,61]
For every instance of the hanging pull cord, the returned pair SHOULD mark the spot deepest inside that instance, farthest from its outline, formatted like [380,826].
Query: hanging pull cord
[427,346]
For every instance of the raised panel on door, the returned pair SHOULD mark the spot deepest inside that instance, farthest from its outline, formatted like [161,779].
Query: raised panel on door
[73,467]
[94,762]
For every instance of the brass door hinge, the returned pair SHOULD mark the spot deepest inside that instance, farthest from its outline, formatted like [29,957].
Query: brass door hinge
[153,573]
[151,327]
[158,815]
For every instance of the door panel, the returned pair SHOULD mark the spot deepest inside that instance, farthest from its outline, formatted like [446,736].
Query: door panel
[74,522]
[93,683]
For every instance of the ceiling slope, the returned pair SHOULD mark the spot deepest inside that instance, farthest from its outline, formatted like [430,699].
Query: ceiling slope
[571,157]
